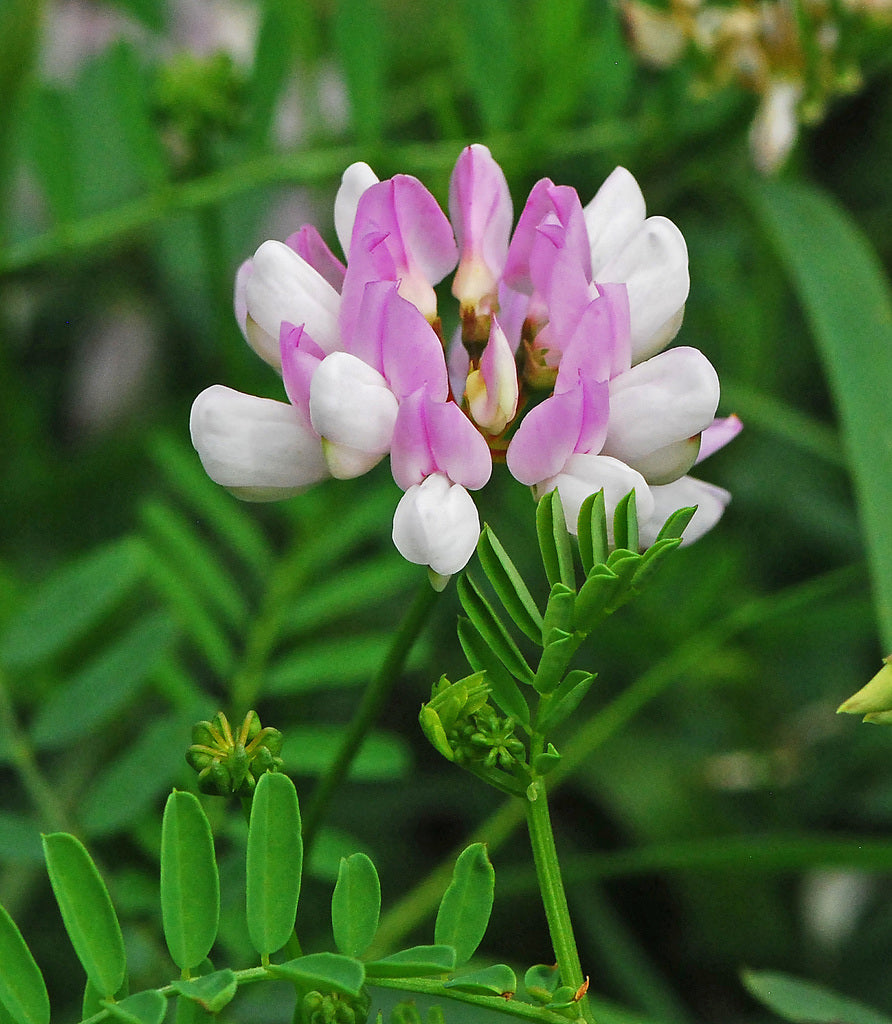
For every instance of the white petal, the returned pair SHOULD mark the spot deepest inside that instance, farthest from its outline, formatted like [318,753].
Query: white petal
[709,499]
[668,398]
[583,475]
[284,287]
[354,181]
[613,216]
[259,449]
[239,301]
[352,408]
[653,265]
[436,524]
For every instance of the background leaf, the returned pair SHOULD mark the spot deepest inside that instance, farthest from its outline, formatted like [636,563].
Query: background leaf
[849,307]
[806,1002]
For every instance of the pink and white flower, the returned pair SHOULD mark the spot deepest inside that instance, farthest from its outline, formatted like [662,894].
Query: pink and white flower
[558,366]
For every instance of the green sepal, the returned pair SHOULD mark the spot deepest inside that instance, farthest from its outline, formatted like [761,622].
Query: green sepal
[274,863]
[509,586]
[541,981]
[591,531]
[355,905]
[329,972]
[555,660]
[546,761]
[554,540]
[565,699]
[212,991]
[416,962]
[464,910]
[149,1007]
[625,523]
[504,690]
[490,627]
[676,524]
[558,612]
[594,598]
[496,980]
[23,993]
[87,911]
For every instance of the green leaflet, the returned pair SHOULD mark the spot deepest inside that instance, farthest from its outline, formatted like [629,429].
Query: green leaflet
[481,657]
[848,304]
[591,531]
[355,905]
[554,541]
[147,1007]
[325,971]
[496,980]
[490,627]
[87,911]
[625,523]
[803,1001]
[509,586]
[274,861]
[416,962]
[464,911]
[212,991]
[23,993]
[190,887]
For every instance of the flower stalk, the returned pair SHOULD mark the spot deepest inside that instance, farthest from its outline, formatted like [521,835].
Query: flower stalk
[554,898]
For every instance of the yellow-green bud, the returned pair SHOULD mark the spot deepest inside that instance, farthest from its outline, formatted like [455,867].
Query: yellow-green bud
[874,699]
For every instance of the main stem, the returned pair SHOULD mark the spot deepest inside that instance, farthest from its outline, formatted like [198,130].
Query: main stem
[551,884]
[373,700]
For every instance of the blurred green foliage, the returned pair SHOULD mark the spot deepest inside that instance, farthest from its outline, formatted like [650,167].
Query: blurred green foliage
[705,805]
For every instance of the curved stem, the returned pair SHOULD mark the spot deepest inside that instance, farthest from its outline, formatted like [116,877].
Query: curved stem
[373,700]
[551,885]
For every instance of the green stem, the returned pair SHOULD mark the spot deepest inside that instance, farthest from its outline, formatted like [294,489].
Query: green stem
[551,886]
[373,700]
[421,901]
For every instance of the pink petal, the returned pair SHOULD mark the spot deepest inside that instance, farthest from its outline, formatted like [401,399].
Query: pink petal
[561,203]
[719,433]
[567,422]
[310,246]
[481,211]
[392,336]
[436,437]
[300,356]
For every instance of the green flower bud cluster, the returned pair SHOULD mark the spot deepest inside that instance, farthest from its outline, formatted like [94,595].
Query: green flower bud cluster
[229,763]
[333,1008]
[465,728]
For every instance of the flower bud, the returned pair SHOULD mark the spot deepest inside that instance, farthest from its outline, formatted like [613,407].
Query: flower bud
[874,698]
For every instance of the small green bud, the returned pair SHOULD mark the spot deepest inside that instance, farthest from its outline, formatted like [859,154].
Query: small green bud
[230,763]
[874,698]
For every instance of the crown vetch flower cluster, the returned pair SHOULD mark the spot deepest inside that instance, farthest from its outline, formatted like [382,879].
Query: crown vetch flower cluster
[558,367]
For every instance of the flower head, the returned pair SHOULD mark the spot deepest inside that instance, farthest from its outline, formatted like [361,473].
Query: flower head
[559,365]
